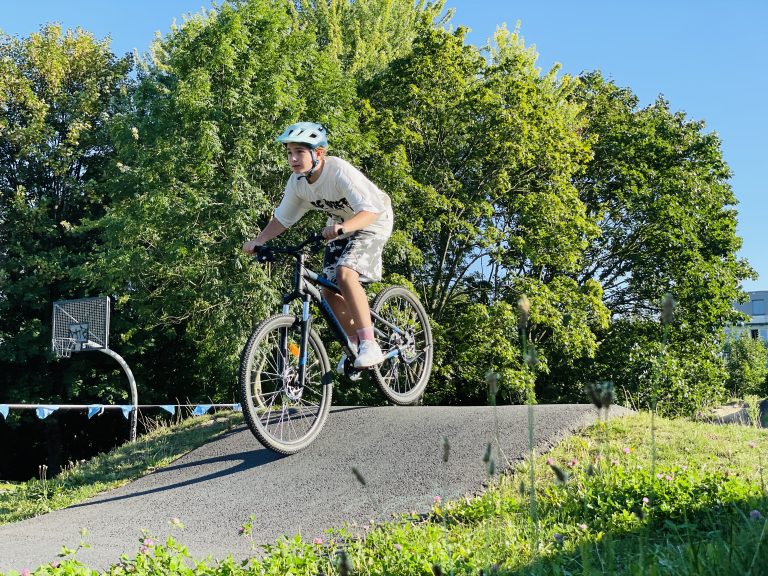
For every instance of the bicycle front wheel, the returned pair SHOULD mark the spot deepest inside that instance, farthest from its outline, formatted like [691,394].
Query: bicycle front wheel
[284,415]
[405,329]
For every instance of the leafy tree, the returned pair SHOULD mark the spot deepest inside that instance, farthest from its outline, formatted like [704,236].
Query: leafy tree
[478,155]
[366,35]
[198,172]
[57,91]
[658,186]
[746,360]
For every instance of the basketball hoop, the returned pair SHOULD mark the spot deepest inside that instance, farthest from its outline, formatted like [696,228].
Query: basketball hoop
[80,325]
[83,325]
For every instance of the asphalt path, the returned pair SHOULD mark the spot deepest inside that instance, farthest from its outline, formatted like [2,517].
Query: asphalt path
[216,488]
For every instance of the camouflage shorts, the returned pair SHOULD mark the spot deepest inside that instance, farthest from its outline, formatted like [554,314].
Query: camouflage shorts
[360,251]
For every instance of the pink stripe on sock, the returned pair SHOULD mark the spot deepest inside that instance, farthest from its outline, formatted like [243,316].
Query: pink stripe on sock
[365,333]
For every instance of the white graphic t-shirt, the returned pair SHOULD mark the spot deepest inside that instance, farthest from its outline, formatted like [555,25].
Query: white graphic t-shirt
[342,191]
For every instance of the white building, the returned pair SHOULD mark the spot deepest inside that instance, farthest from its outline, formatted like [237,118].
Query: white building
[758,315]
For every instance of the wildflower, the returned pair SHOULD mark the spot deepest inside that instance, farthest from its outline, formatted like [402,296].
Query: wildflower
[523,312]
[398,548]
[241,530]
[614,462]
[755,515]
[148,542]
[492,380]
[668,478]
[601,394]
[438,500]
[659,476]
[583,526]
[626,450]
[25,572]
[751,444]
[645,500]
[562,476]
[55,564]
[550,462]
[667,309]
[573,462]
[558,538]
[135,133]
[143,550]
[531,357]
[345,566]
[317,541]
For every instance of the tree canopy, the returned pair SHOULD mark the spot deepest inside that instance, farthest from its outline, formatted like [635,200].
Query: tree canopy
[506,180]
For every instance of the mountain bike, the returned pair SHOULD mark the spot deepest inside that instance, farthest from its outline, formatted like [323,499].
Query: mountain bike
[285,378]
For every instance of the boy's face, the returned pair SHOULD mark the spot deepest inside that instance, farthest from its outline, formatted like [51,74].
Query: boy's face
[300,158]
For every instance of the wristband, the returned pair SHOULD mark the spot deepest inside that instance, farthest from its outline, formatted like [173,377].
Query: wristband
[340,232]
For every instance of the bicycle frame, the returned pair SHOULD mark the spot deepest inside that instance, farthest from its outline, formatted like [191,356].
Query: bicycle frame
[305,283]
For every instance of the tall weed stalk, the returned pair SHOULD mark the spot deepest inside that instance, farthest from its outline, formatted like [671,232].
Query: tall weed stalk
[530,362]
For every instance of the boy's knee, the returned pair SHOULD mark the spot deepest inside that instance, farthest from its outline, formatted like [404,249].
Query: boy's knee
[345,274]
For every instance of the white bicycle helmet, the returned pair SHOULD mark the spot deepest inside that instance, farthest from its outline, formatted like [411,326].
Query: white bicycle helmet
[310,133]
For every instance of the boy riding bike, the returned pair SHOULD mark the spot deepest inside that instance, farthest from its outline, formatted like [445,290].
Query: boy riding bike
[359,224]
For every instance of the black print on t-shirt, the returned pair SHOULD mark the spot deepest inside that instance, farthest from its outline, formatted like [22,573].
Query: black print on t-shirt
[331,205]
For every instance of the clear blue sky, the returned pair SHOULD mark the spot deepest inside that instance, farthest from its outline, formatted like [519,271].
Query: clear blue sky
[708,58]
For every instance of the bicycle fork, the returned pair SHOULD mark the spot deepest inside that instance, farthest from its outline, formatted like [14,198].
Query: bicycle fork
[294,381]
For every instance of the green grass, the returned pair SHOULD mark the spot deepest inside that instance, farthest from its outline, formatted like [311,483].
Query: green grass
[600,510]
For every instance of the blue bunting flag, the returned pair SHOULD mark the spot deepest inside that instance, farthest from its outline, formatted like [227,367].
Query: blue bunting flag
[44,411]
[201,409]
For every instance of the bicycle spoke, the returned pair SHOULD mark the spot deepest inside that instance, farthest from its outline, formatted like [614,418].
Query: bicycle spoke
[403,377]
[284,413]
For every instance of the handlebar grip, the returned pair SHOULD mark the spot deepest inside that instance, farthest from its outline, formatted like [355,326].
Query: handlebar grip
[263,254]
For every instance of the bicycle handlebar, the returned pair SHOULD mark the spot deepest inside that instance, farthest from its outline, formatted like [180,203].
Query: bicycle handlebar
[267,253]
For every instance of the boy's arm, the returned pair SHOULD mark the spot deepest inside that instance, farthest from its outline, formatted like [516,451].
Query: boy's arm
[272,230]
[357,222]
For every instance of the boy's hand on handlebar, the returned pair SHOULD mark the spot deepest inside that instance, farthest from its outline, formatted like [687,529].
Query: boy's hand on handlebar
[250,247]
[332,231]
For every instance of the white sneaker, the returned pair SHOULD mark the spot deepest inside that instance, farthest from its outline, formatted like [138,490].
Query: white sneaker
[368,354]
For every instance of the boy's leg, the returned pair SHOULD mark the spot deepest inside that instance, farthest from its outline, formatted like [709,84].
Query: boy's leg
[354,297]
[340,309]
[347,262]
[356,300]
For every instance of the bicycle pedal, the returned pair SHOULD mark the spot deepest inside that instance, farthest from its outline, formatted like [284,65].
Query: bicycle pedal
[350,371]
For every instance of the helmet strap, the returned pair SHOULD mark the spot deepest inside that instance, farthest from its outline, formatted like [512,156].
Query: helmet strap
[315,162]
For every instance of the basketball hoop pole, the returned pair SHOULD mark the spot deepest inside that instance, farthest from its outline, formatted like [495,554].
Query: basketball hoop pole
[83,325]
[132,382]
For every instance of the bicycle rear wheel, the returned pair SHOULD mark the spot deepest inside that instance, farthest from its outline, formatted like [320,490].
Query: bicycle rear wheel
[403,377]
[284,416]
